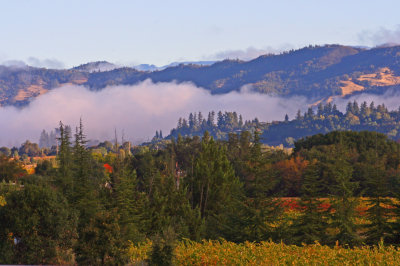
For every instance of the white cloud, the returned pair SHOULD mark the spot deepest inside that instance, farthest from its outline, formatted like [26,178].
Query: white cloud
[47,63]
[33,61]
[139,110]
[382,36]
[14,63]
[249,53]
[390,98]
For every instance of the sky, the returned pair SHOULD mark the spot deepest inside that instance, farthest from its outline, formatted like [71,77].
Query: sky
[68,33]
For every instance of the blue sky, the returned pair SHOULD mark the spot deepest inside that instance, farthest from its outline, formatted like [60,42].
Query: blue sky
[159,32]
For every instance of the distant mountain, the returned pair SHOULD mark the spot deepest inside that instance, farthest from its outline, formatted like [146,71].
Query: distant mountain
[19,85]
[99,66]
[320,73]
[147,67]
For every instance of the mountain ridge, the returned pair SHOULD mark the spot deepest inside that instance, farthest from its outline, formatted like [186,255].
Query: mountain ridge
[319,73]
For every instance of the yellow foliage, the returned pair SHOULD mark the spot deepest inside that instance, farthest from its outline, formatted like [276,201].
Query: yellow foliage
[138,252]
[2,201]
[269,253]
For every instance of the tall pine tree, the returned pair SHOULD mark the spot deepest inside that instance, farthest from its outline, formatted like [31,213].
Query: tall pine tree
[64,178]
[312,223]
[344,204]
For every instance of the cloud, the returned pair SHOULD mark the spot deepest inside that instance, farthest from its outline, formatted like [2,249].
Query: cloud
[14,63]
[138,110]
[382,36]
[47,63]
[390,98]
[101,66]
[141,109]
[35,62]
[249,53]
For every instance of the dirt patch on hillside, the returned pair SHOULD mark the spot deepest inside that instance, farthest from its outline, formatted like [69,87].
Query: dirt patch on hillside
[38,89]
[79,81]
[348,87]
[31,91]
[384,77]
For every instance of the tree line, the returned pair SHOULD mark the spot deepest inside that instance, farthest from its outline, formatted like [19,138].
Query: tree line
[89,207]
[322,118]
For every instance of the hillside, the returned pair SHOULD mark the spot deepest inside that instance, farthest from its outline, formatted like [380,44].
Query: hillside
[316,72]
[358,117]
[19,85]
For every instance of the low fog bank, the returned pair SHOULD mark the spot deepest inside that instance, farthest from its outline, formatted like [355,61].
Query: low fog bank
[141,109]
[137,110]
[390,98]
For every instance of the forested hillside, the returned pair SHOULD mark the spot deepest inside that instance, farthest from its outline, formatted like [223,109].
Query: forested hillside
[322,119]
[316,72]
[90,208]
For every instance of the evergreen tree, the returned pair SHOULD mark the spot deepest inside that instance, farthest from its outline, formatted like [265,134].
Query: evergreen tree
[91,231]
[200,119]
[320,110]
[167,206]
[372,106]
[192,121]
[298,115]
[44,139]
[310,112]
[364,109]
[349,108]
[339,171]
[81,156]
[184,123]
[37,226]
[100,241]
[210,120]
[240,121]
[65,163]
[355,109]
[129,204]
[84,186]
[163,248]
[312,223]
[216,189]
[195,121]
[377,188]
[262,208]
[378,213]
[53,138]
[235,119]
[395,192]
[334,109]
[244,143]
[220,120]
[328,109]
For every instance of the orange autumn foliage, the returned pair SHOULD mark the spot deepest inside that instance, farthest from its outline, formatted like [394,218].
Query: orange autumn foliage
[108,168]
[291,171]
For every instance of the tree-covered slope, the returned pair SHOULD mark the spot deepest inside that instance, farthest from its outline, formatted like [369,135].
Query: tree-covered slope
[316,72]
[323,119]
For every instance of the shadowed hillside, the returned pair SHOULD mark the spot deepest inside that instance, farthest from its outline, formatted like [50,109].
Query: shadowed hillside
[317,72]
